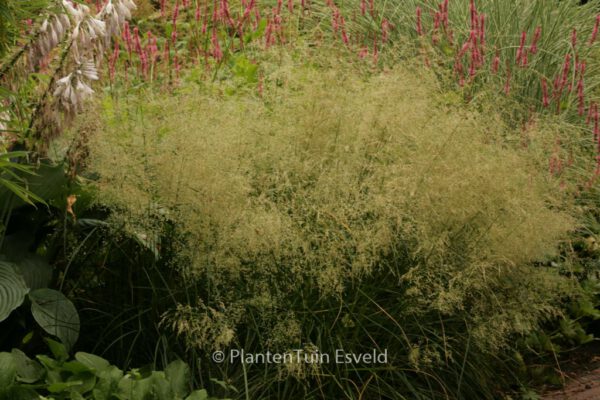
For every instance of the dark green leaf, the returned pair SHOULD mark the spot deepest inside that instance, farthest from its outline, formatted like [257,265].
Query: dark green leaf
[28,371]
[56,315]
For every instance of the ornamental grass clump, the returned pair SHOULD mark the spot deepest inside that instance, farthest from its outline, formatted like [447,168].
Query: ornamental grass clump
[335,211]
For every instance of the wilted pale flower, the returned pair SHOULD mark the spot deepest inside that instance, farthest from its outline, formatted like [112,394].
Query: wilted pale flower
[114,14]
[78,13]
[52,33]
[73,89]
[88,70]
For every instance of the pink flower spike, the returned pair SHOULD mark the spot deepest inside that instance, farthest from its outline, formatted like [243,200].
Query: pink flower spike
[437,19]
[113,61]
[345,37]
[375,51]
[597,126]
[524,60]
[465,47]
[198,14]
[385,29]
[175,14]
[473,11]
[591,113]
[595,30]
[496,63]
[582,67]
[419,26]
[217,53]
[507,84]
[545,99]
[534,42]
[363,53]
[521,47]
[566,70]
[580,97]
[268,33]
[482,30]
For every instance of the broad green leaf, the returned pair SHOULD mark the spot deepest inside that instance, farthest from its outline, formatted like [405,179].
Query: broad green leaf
[198,395]
[8,371]
[63,386]
[58,349]
[178,374]
[75,367]
[49,363]
[28,371]
[76,396]
[153,387]
[12,289]
[87,379]
[160,387]
[56,315]
[36,272]
[91,361]
[108,383]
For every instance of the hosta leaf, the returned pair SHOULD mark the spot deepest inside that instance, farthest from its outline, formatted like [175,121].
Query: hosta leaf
[12,289]
[36,272]
[56,315]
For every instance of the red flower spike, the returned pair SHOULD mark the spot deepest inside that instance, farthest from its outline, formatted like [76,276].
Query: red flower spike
[113,61]
[591,112]
[566,70]
[534,42]
[580,97]
[545,99]
[385,29]
[419,26]
[216,47]
[482,30]
[595,30]
[496,63]
[521,47]
[507,84]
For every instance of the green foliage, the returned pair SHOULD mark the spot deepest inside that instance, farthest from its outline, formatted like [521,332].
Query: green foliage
[56,315]
[89,377]
[26,274]
[11,176]
[50,308]
[12,15]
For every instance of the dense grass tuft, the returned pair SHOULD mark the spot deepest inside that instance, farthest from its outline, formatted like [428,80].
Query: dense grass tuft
[339,211]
